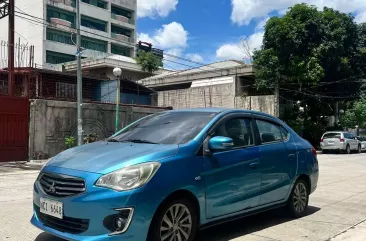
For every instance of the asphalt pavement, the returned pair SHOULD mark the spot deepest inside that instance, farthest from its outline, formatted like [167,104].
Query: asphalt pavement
[337,209]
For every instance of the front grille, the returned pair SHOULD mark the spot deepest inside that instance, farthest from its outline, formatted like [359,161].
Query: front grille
[66,224]
[57,185]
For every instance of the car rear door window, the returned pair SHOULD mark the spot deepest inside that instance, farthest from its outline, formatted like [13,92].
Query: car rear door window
[268,132]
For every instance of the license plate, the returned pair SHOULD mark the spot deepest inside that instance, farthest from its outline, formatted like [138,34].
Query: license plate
[51,208]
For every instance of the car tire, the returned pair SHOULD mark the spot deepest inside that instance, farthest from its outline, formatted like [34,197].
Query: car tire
[325,151]
[348,149]
[359,150]
[299,199]
[183,224]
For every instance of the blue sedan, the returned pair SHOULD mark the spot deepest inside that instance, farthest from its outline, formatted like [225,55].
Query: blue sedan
[169,174]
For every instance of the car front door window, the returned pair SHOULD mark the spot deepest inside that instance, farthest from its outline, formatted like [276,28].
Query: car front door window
[238,129]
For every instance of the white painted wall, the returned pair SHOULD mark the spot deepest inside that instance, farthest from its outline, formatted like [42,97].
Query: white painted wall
[28,32]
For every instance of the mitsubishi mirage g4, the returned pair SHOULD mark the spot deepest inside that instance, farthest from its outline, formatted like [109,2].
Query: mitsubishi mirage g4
[170,174]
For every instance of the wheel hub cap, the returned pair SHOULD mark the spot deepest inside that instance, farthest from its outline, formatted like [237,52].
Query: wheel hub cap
[176,224]
[300,197]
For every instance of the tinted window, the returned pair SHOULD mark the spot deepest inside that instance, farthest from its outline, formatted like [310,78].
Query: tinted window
[332,135]
[167,127]
[238,129]
[268,132]
[348,135]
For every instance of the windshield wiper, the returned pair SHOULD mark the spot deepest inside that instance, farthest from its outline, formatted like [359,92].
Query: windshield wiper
[140,141]
[112,140]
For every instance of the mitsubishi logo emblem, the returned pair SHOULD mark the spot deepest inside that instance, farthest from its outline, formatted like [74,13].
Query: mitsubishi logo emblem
[52,188]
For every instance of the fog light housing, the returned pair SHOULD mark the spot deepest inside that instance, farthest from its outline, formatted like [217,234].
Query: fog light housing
[119,223]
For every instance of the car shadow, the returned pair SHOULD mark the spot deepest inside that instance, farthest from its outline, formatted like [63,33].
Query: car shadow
[245,226]
[229,230]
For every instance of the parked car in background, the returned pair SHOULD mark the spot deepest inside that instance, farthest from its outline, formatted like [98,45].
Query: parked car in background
[362,139]
[169,174]
[340,141]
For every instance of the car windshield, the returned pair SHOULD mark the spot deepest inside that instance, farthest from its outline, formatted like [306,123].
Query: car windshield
[332,135]
[166,128]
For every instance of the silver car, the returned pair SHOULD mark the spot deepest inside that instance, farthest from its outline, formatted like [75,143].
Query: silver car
[340,141]
[362,139]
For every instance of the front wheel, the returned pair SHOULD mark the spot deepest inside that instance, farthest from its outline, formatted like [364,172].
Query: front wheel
[174,221]
[359,150]
[299,199]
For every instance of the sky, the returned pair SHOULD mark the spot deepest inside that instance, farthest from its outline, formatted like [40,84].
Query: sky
[206,31]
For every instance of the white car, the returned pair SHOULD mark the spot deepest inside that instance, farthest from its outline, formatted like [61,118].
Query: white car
[340,141]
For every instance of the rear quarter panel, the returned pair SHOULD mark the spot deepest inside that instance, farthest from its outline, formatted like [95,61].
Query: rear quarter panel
[307,162]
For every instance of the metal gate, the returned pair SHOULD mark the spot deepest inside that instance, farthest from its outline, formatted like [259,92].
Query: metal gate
[13,128]
[14,118]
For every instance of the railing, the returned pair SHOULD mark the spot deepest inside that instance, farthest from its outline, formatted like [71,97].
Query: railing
[123,38]
[122,18]
[70,3]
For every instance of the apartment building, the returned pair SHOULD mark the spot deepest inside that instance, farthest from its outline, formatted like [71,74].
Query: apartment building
[107,26]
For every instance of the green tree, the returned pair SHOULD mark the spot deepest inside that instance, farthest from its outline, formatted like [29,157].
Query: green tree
[356,115]
[307,46]
[149,61]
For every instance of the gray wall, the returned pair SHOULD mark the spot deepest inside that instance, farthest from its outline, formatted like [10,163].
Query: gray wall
[222,95]
[51,121]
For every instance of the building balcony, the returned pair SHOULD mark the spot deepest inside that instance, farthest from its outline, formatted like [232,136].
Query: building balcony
[64,4]
[122,37]
[122,18]
[62,22]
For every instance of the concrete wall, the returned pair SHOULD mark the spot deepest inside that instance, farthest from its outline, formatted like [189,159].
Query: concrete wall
[205,96]
[262,103]
[51,121]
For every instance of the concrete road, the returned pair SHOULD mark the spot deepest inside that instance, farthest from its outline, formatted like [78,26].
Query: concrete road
[337,209]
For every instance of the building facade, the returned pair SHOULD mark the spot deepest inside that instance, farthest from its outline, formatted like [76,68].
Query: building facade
[107,27]
[227,84]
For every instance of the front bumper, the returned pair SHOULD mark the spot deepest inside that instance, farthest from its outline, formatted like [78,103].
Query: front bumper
[94,205]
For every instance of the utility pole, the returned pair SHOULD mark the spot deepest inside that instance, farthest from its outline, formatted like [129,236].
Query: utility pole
[79,76]
[11,47]
[277,99]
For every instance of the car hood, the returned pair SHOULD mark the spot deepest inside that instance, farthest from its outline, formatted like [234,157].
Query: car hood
[104,157]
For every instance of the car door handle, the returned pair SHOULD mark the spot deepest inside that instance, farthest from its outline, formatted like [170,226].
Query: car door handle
[254,164]
[291,156]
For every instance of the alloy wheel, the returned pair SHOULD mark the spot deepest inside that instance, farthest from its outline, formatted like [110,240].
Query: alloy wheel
[176,224]
[300,197]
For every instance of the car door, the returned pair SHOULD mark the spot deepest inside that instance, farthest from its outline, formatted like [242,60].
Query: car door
[232,177]
[277,161]
[350,140]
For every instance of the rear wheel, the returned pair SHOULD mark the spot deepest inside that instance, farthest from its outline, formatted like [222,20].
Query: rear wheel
[299,199]
[174,221]
[348,149]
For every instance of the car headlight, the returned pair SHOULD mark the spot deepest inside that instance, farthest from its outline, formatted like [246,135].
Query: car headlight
[129,177]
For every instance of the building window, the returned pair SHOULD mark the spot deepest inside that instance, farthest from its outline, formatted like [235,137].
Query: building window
[93,23]
[93,44]
[65,91]
[116,49]
[97,3]
[118,30]
[61,14]
[121,12]
[58,36]
[58,58]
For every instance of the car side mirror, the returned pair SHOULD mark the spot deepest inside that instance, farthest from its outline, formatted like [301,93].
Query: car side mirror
[220,143]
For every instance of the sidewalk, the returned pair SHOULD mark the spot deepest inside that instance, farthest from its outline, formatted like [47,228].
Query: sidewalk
[355,233]
[12,168]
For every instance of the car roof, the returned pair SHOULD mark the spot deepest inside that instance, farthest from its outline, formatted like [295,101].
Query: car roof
[221,110]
